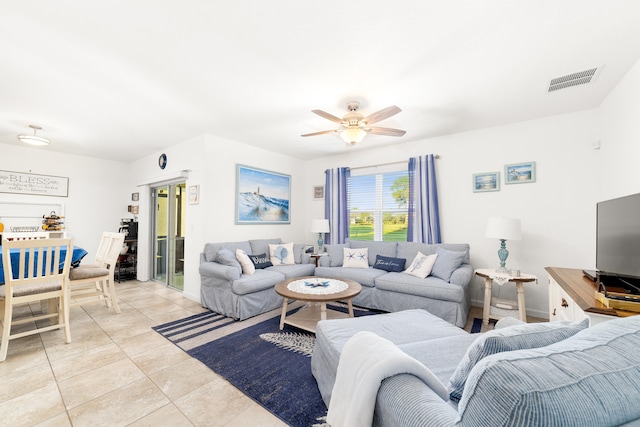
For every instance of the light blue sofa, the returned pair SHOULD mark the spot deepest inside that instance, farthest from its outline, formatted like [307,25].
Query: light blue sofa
[390,291]
[537,374]
[226,290]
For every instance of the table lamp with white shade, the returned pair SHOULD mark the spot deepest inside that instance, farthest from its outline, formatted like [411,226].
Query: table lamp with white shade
[320,226]
[503,229]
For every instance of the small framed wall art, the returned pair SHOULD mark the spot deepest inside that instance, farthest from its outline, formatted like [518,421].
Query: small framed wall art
[520,173]
[486,181]
[194,194]
[318,192]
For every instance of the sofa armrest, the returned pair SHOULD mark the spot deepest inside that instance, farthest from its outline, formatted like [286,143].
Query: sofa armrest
[462,275]
[219,271]
[404,400]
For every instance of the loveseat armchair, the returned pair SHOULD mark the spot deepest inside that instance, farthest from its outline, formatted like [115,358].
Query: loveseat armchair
[225,289]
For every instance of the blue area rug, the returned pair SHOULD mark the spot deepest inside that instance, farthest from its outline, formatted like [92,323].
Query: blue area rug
[271,366]
[477,325]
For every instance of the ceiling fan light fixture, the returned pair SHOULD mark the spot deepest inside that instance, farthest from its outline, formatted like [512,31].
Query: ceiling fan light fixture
[34,139]
[353,135]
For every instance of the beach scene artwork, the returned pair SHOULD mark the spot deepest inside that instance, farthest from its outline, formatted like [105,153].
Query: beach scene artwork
[487,181]
[262,196]
[520,173]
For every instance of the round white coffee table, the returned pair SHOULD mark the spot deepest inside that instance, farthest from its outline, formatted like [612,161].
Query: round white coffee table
[317,291]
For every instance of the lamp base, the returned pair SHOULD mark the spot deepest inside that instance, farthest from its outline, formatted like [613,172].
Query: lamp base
[502,269]
[320,243]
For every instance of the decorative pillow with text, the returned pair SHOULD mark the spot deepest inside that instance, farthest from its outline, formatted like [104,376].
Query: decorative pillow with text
[388,263]
[260,261]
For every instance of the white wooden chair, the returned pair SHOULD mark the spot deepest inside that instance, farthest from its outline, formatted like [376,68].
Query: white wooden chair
[97,279]
[40,276]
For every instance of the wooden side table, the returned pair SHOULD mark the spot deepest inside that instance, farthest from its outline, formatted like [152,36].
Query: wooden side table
[489,275]
[316,258]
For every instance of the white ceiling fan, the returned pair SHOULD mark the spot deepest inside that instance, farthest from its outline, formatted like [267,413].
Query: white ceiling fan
[355,126]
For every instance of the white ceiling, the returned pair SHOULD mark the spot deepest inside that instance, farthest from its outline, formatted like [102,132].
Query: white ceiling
[122,79]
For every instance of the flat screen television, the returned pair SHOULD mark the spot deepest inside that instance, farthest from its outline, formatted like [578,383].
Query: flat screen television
[618,242]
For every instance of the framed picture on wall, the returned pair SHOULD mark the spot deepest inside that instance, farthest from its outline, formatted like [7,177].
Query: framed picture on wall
[520,173]
[486,181]
[318,192]
[262,197]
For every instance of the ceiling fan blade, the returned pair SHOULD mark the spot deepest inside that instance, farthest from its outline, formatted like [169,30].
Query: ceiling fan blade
[320,133]
[327,116]
[382,114]
[386,131]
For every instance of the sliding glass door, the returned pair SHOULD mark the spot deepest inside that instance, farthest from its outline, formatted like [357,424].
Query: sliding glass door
[168,234]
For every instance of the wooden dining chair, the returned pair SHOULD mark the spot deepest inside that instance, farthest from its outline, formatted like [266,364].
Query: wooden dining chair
[97,279]
[40,274]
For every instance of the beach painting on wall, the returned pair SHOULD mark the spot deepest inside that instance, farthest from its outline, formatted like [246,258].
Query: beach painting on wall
[487,181]
[520,173]
[262,197]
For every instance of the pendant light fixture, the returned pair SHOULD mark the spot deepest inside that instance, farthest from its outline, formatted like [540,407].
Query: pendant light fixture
[34,139]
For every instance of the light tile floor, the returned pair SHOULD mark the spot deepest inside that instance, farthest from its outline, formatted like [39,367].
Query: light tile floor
[118,371]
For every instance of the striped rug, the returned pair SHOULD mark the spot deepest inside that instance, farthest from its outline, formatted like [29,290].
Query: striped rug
[271,366]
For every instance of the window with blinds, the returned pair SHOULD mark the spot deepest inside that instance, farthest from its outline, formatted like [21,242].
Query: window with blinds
[378,206]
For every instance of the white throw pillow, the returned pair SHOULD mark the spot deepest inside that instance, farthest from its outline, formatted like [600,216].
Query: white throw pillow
[245,262]
[421,265]
[282,254]
[356,258]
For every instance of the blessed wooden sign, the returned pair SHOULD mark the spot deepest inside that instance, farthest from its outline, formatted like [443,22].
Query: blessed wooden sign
[29,183]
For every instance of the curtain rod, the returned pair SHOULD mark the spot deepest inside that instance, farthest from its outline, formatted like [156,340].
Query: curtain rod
[435,156]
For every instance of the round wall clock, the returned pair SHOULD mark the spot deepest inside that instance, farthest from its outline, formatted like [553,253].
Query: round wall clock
[162,161]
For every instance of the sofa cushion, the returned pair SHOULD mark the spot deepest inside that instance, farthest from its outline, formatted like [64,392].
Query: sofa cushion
[260,261]
[355,258]
[335,255]
[294,270]
[388,263]
[375,248]
[430,287]
[226,257]
[365,276]
[261,246]
[409,250]
[262,279]
[518,337]
[245,262]
[298,250]
[281,254]
[447,262]
[211,249]
[591,378]
[421,265]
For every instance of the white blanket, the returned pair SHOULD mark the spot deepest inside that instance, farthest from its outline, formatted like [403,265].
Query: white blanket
[365,361]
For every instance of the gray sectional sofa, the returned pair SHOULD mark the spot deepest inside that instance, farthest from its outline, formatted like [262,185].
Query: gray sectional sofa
[395,291]
[226,290]
[542,374]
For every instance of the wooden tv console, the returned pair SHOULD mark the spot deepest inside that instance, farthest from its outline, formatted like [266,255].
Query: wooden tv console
[572,297]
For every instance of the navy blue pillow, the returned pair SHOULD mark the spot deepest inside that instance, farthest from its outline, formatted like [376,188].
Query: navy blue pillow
[260,261]
[388,263]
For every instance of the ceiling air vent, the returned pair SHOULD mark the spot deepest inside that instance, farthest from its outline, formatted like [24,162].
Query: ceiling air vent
[574,79]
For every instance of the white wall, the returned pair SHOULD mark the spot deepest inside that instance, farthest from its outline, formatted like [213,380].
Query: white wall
[212,164]
[97,190]
[621,138]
